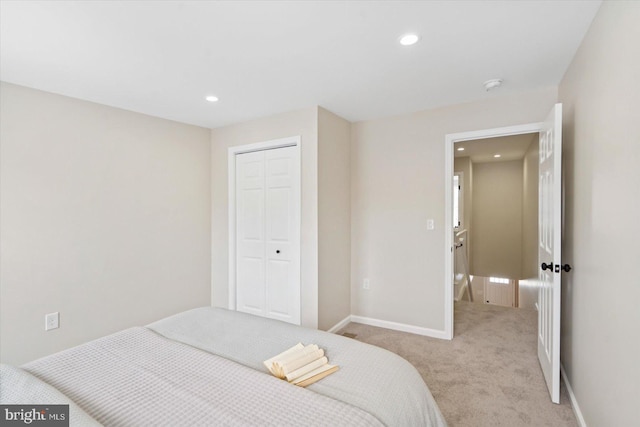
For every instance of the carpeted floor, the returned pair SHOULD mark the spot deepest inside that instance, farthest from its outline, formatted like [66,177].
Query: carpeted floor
[488,375]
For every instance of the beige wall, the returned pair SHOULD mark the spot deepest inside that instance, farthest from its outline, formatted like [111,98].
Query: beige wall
[334,219]
[303,123]
[600,323]
[397,183]
[530,211]
[497,219]
[104,217]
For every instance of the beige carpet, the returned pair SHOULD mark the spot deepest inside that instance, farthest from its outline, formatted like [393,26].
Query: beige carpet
[488,375]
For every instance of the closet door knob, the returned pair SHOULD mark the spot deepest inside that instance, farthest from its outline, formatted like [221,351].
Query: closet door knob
[546,266]
[566,268]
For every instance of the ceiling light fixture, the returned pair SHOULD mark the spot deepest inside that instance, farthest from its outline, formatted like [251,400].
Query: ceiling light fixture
[497,156]
[492,84]
[211,98]
[409,39]
[461,149]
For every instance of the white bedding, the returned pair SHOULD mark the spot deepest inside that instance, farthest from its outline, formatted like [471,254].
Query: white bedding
[139,378]
[204,367]
[18,387]
[371,378]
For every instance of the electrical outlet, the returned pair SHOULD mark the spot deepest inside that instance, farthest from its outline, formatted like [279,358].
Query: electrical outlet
[51,321]
[366,284]
[431,224]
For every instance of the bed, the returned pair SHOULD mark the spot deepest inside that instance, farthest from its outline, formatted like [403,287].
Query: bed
[204,367]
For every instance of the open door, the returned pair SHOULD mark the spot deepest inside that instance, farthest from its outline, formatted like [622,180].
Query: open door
[549,249]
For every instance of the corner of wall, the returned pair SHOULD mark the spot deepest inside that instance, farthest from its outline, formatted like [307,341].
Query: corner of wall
[334,219]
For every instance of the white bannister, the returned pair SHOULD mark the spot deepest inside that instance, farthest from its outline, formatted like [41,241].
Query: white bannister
[459,243]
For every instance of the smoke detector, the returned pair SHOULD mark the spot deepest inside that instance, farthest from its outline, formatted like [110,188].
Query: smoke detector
[492,84]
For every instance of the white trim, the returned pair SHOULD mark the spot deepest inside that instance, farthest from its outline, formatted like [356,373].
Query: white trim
[448,237]
[434,333]
[292,141]
[450,139]
[461,190]
[574,402]
[341,324]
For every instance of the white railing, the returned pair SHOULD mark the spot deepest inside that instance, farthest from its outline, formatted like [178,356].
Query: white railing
[461,265]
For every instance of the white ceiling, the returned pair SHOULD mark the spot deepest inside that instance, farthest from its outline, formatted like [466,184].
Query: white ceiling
[263,57]
[512,147]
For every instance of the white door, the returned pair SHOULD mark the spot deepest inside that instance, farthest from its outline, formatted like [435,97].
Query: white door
[549,254]
[268,233]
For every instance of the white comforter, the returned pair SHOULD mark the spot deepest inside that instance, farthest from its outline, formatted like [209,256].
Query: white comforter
[139,378]
[371,378]
[204,367]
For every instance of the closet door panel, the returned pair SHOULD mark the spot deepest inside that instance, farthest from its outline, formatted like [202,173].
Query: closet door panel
[250,233]
[282,239]
[268,233]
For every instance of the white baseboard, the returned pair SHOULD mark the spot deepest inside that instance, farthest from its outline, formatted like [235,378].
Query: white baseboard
[434,333]
[341,324]
[399,327]
[572,397]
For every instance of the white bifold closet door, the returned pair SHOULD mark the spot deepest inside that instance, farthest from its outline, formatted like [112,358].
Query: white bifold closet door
[268,233]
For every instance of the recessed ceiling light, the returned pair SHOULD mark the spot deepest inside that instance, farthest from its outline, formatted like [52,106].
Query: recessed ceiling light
[461,149]
[497,156]
[409,39]
[211,98]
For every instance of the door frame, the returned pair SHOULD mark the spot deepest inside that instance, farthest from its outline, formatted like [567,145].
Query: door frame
[450,140]
[291,141]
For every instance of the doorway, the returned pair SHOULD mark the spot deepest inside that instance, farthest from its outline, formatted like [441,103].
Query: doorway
[496,235]
[450,141]
[549,236]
